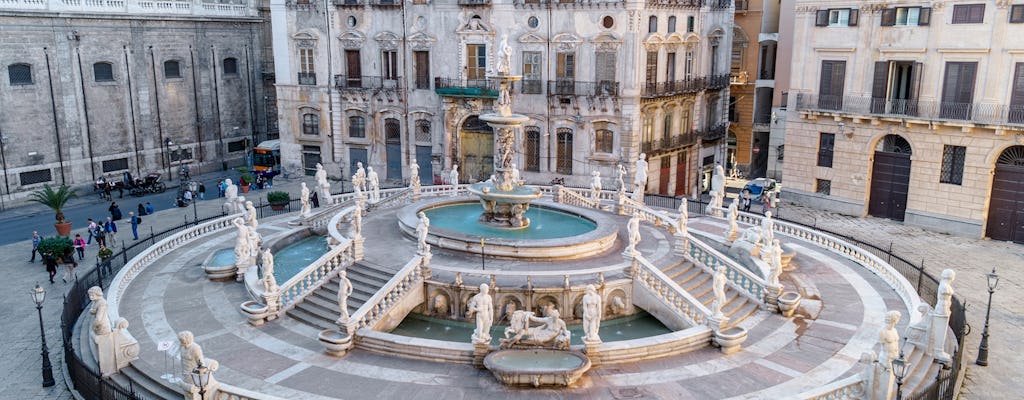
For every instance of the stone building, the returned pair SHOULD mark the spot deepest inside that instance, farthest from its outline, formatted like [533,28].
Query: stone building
[912,112]
[752,80]
[389,82]
[95,89]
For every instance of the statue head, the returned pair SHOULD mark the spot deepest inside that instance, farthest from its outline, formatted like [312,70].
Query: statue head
[595,173]
[891,318]
[591,290]
[319,166]
[643,156]
[304,186]
[484,288]
[227,182]
[948,275]
[767,214]
[553,313]
[95,293]
[248,204]
[185,338]
[369,170]
[342,274]
[359,164]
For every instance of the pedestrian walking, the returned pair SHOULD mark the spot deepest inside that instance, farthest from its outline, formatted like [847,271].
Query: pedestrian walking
[745,201]
[149,208]
[766,202]
[115,211]
[68,259]
[202,191]
[79,244]
[110,229]
[315,199]
[91,229]
[99,233]
[104,254]
[35,245]
[51,266]
[135,225]
[221,188]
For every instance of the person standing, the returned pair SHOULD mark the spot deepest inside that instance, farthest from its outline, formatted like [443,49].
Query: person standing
[745,200]
[766,202]
[110,228]
[51,266]
[149,208]
[99,233]
[79,244]
[135,225]
[141,210]
[222,187]
[115,211]
[315,199]
[35,245]
[91,229]
[202,191]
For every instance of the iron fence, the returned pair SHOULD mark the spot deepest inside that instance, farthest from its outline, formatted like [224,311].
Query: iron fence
[985,113]
[364,82]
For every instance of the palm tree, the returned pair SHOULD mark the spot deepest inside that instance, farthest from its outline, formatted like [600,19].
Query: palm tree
[55,199]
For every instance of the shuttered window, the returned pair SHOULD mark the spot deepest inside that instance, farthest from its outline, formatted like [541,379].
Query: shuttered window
[422,59]
[356,127]
[826,144]
[968,13]
[958,90]
[833,76]
[1017,14]
[310,124]
[837,17]
[566,68]
[605,72]
[476,61]
[1016,115]
[652,67]
[531,83]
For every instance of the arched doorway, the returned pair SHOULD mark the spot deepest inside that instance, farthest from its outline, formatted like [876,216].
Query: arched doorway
[890,178]
[393,146]
[1006,205]
[476,160]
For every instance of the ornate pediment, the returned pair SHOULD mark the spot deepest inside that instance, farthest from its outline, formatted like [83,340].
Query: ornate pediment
[421,41]
[532,38]
[566,42]
[387,40]
[606,41]
[352,40]
[305,39]
[475,26]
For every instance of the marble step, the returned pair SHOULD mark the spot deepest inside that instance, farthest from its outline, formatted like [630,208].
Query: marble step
[141,383]
[317,300]
[313,319]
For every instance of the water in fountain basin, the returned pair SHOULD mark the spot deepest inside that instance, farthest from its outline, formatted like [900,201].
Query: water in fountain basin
[296,256]
[626,328]
[544,223]
[223,257]
[527,361]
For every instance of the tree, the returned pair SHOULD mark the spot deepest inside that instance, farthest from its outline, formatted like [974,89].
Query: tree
[54,199]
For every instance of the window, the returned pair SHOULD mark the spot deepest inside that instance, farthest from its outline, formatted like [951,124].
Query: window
[736,62]
[825,145]
[1016,115]
[652,67]
[532,149]
[648,127]
[172,69]
[833,78]
[20,74]
[392,131]
[564,160]
[230,66]
[688,67]
[670,67]
[389,64]
[604,72]
[234,147]
[603,140]
[423,134]
[310,124]
[823,186]
[906,16]
[37,176]
[953,164]
[1017,14]
[103,72]
[531,73]
[968,13]
[476,61]
[422,67]
[310,158]
[652,24]
[566,68]
[356,127]
[115,165]
[958,90]
[684,121]
[837,17]
[733,117]
[307,70]
[672,24]
[714,56]
[354,69]
[608,22]
[689,24]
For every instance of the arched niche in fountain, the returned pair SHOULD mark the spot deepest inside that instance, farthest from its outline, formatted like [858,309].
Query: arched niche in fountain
[544,303]
[508,304]
[617,303]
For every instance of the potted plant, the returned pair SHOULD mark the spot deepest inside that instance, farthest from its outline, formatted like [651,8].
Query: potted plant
[56,199]
[278,200]
[55,247]
[246,180]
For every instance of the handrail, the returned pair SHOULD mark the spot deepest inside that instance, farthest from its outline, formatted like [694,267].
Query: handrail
[706,257]
[138,263]
[315,275]
[414,272]
[477,272]
[670,292]
[571,197]
[849,388]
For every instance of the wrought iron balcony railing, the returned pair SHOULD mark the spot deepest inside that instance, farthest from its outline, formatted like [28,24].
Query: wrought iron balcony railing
[470,3]
[580,88]
[531,86]
[466,87]
[360,83]
[348,3]
[713,4]
[716,82]
[386,3]
[307,78]
[674,142]
[714,133]
[982,113]
[672,88]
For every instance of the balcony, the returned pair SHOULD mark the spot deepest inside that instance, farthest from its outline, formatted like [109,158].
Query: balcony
[742,5]
[451,87]
[347,83]
[717,82]
[300,5]
[531,86]
[307,78]
[712,134]
[739,78]
[665,145]
[580,88]
[980,113]
[714,4]
[474,3]
[571,3]
[348,3]
[664,89]
[386,3]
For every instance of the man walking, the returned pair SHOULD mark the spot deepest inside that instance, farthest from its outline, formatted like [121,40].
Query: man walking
[135,225]
[111,232]
[202,191]
[35,245]
[91,229]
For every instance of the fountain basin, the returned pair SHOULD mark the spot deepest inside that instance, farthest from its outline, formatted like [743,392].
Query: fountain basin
[530,243]
[537,367]
[788,303]
[220,265]
[730,339]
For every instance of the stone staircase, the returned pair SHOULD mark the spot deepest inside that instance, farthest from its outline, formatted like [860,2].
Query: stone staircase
[699,284]
[320,308]
[923,371]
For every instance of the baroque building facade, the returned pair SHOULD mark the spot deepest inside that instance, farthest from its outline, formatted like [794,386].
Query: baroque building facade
[913,112]
[387,83]
[93,89]
[752,78]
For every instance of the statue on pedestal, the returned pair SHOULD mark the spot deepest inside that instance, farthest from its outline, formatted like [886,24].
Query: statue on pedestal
[357,221]
[889,339]
[422,229]
[775,261]
[633,227]
[595,185]
[250,214]
[241,243]
[944,295]
[620,176]
[684,216]
[551,334]
[640,178]
[374,182]
[453,176]
[304,197]
[718,180]
[359,179]
[718,287]
[734,213]
[100,321]
[344,291]
[767,229]
[504,62]
[482,305]
[269,282]
[192,357]
[320,175]
[592,315]
[414,177]
[230,193]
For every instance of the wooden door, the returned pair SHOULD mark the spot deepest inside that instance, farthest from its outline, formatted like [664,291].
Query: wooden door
[958,90]
[890,180]
[665,175]
[1006,204]
[353,67]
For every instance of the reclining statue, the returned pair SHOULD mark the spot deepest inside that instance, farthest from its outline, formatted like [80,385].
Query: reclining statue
[552,334]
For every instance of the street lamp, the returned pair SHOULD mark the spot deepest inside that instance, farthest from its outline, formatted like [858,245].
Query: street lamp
[167,152]
[899,370]
[200,378]
[38,295]
[993,280]
[3,159]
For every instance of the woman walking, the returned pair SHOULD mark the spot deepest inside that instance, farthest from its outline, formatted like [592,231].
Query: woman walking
[80,246]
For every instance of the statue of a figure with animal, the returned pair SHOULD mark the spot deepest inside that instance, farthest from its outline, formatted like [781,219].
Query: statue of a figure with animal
[551,334]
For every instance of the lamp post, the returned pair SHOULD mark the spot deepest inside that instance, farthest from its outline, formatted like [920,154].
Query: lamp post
[483,267]
[993,280]
[167,153]
[3,159]
[200,378]
[38,295]
[899,370]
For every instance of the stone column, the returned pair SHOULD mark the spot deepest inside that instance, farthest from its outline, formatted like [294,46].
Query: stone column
[939,326]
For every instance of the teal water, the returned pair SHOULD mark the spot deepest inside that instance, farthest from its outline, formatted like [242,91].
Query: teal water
[223,257]
[626,328]
[528,361]
[296,256]
[544,223]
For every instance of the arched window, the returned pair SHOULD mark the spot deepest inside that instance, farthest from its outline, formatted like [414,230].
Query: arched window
[685,125]
[230,66]
[356,127]
[532,151]
[666,128]
[20,74]
[564,161]
[172,69]
[652,24]
[423,133]
[392,131]
[103,72]
[603,138]
[671,24]
[310,124]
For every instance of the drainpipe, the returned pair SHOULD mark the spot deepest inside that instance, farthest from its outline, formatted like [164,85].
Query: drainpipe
[85,109]
[53,109]
[131,109]
[159,122]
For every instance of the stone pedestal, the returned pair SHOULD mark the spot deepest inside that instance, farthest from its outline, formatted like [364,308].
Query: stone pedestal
[480,351]
[788,302]
[771,297]
[592,348]
[681,245]
[336,343]
[357,247]
[939,327]
[716,323]
[115,349]
[620,203]
[729,340]
[255,313]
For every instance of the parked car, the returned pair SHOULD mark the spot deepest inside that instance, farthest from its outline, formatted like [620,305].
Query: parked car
[759,185]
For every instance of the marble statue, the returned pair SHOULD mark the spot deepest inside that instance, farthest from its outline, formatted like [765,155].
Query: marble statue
[357,186]
[325,193]
[684,216]
[504,64]
[440,305]
[250,214]
[618,306]
[633,227]
[422,228]
[357,221]
[230,193]
[374,182]
[359,179]
[595,185]
[304,197]
[718,179]
[775,261]
[320,175]
[718,287]
[191,357]
[482,305]
[515,175]
[506,146]
[240,206]
[255,242]
[269,282]
[889,339]
[453,176]
[592,315]
[710,209]
[734,213]
[241,243]
[100,321]
[944,295]
[551,334]
[767,229]
[620,176]
[344,291]
[640,177]
[414,177]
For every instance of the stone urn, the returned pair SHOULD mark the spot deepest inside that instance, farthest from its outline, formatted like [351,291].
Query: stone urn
[255,312]
[788,303]
[730,339]
[336,343]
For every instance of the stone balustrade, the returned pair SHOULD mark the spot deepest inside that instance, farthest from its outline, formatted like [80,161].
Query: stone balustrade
[669,292]
[168,7]
[405,281]
[850,388]
[315,275]
[571,197]
[708,259]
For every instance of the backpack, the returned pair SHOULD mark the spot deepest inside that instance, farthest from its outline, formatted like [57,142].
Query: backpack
[138,220]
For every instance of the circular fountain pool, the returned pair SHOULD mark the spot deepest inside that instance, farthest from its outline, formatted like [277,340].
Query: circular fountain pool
[626,328]
[547,223]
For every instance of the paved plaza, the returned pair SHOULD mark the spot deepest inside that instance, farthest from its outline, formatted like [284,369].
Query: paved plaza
[971,258]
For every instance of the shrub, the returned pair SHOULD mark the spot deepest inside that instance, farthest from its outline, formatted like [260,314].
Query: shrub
[278,197]
[55,247]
